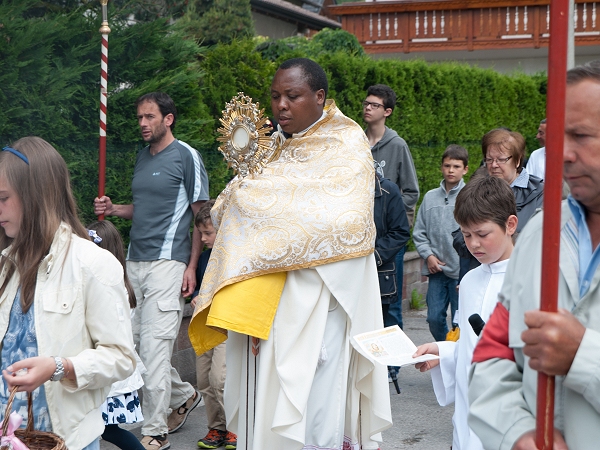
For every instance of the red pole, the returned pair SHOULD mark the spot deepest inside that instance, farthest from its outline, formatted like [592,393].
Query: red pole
[555,109]
[105,30]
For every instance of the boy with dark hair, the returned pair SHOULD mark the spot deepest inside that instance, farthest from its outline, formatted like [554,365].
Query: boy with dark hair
[432,236]
[385,93]
[388,149]
[394,162]
[210,366]
[487,213]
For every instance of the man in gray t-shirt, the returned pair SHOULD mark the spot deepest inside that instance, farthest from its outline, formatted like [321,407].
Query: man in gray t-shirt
[169,186]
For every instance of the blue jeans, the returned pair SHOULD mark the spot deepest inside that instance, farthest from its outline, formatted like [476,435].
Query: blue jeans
[440,292]
[394,313]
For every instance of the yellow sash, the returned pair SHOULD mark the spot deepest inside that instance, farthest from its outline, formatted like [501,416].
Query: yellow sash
[247,307]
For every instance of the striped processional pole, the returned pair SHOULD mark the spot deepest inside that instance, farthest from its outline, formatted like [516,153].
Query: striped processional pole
[104,30]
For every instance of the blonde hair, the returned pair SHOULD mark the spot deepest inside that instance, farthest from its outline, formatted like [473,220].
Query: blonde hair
[44,191]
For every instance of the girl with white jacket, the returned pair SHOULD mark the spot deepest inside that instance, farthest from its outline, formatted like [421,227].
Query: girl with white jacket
[65,332]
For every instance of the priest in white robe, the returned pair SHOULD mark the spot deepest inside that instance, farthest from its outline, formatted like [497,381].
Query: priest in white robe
[292,277]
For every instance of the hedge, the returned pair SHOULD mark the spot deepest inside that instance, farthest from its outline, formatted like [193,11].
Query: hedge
[438,104]
[49,86]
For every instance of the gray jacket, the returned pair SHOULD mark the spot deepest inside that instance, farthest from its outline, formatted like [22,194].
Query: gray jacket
[394,158]
[435,223]
[502,386]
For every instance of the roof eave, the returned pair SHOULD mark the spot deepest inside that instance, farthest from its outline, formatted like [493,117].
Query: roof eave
[293,14]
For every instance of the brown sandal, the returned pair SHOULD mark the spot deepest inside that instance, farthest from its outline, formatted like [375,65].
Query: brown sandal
[155,443]
[178,417]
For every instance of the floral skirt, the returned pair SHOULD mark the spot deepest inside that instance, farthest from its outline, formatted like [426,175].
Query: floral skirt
[124,408]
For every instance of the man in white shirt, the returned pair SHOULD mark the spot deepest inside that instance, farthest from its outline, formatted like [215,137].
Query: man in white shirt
[537,161]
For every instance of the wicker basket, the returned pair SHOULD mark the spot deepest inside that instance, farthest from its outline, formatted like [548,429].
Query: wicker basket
[35,440]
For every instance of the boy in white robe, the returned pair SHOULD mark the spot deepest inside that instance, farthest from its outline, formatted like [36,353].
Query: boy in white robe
[486,212]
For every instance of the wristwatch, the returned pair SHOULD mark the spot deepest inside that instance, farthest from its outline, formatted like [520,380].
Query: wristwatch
[59,373]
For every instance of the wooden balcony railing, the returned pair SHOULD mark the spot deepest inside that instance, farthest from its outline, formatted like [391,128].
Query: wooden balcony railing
[417,25]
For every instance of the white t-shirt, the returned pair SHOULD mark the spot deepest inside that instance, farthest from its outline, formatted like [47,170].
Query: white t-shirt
[537,163]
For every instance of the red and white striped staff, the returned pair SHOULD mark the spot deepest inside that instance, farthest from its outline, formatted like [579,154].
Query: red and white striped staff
[104,30]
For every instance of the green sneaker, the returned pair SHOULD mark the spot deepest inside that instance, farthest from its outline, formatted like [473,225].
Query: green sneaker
[214,439]
[230,441]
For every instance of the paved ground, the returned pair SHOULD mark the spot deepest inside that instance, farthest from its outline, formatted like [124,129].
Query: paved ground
[419,422]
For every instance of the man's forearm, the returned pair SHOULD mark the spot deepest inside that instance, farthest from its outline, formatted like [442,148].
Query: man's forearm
[196,249]
[123,211]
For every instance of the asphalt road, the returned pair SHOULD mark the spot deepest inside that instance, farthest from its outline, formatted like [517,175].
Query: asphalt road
[419,422]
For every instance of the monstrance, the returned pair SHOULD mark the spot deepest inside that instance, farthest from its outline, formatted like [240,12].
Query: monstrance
[246,146]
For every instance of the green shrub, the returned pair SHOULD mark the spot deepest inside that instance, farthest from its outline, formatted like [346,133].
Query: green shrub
[50,83]
[49,86]
[416,300]
[214,21]
[325,41]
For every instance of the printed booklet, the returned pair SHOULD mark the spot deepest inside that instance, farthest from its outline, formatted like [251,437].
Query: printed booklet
[389,346]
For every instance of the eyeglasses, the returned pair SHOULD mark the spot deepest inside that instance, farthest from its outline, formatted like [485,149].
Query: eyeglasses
[490,161]
[373,105]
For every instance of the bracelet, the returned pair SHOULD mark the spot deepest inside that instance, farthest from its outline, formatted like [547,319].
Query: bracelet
[59,373]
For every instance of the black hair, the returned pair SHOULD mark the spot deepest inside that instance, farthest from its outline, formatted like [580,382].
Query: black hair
[165,104]
[454,151]
[384,92]
[315,76]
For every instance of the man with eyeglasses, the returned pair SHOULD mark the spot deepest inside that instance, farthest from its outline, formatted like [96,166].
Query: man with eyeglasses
[395,162]
[389,149]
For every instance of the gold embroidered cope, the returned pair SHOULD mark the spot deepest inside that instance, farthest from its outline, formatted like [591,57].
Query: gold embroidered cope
[311,206]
